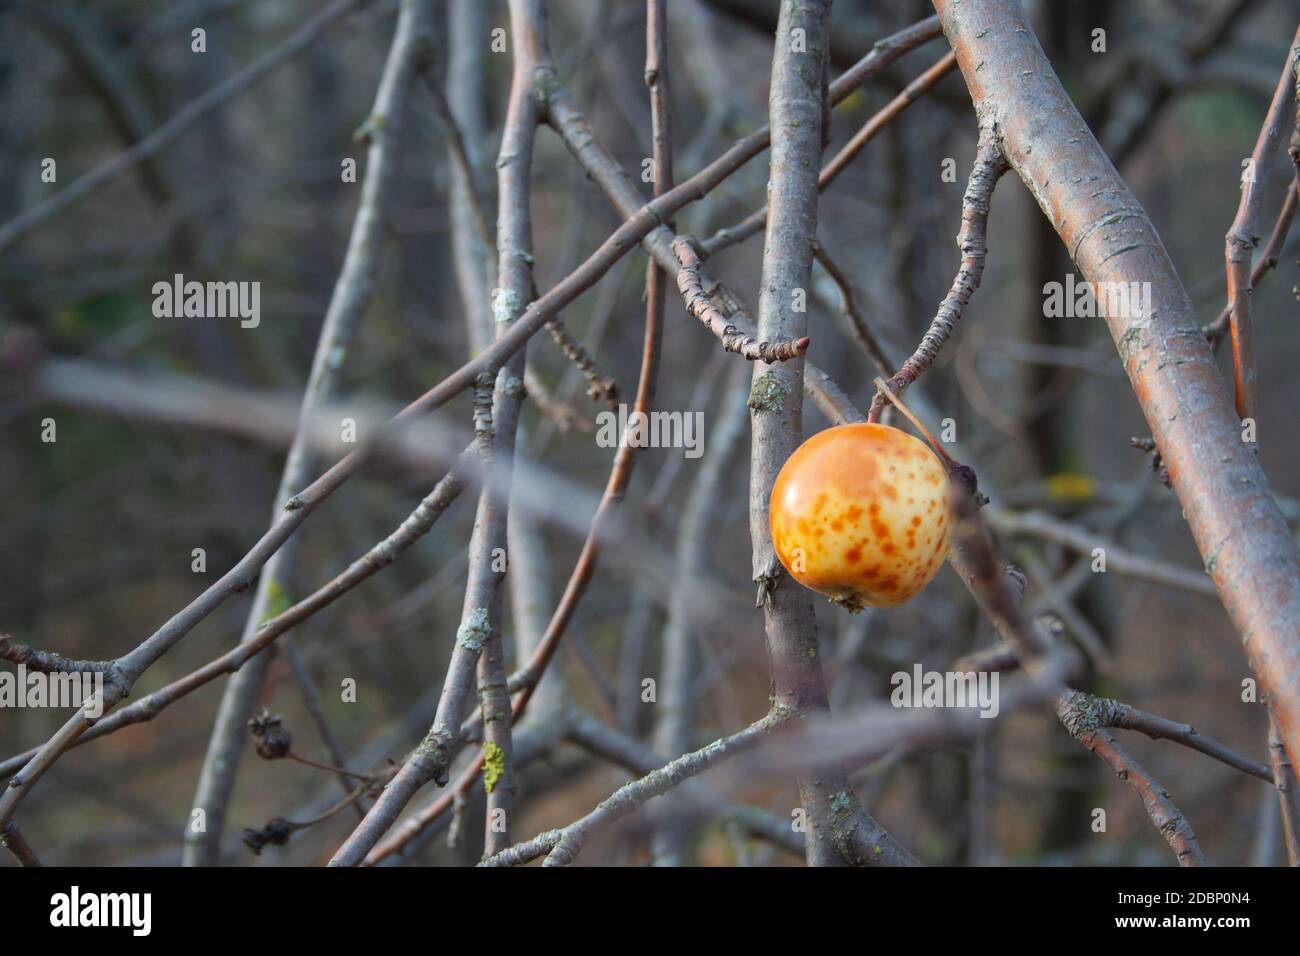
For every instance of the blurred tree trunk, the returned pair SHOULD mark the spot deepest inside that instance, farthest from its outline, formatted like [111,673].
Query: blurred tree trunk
[1052,426]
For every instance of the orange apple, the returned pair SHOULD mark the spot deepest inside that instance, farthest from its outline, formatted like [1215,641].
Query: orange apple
[860,513]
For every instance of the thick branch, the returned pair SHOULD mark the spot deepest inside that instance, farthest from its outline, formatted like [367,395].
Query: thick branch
[1238,528]
[776,402]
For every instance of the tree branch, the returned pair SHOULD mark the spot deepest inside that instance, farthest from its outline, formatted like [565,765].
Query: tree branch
[1238,528]
[1288,793]
[972,240]
[834,814]
[411,44]
[1076,711]
[1242,238]
[755,221]
[562,846]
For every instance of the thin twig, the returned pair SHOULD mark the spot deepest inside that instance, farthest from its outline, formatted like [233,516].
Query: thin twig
[411,43]
[1288,793]
[861,331]
[378,557]
[1140,566]
[1216,331]
[562,846]
[732,339]
[990,164]
[753,223]
[600,387]
[1077,714]
[613,745]
[1242,238]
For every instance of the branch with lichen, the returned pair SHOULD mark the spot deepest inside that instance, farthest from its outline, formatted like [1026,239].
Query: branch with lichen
[838,826]
[1114,713]
[641,220]
[1084,716]
[474,654]
[1080,714]
[569,122]
[562,846]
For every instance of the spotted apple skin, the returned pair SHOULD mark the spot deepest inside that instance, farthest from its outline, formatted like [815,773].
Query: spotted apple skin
[860,513]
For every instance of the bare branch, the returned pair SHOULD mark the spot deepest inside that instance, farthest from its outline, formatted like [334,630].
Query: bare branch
[699,799]
[351,298]
[1140,566]
[1239,531]
[1242,238]
[1288,793]
[46,662]
[562,846]
[480,623]
[836,819]
[861,331]
[1076,711]
[1267,261]
[732,339]
[990,164]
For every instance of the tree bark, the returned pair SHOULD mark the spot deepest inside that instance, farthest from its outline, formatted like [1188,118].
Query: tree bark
[1238,528]
[776,402]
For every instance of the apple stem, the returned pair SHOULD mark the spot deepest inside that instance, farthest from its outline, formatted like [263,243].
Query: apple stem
[883,387]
